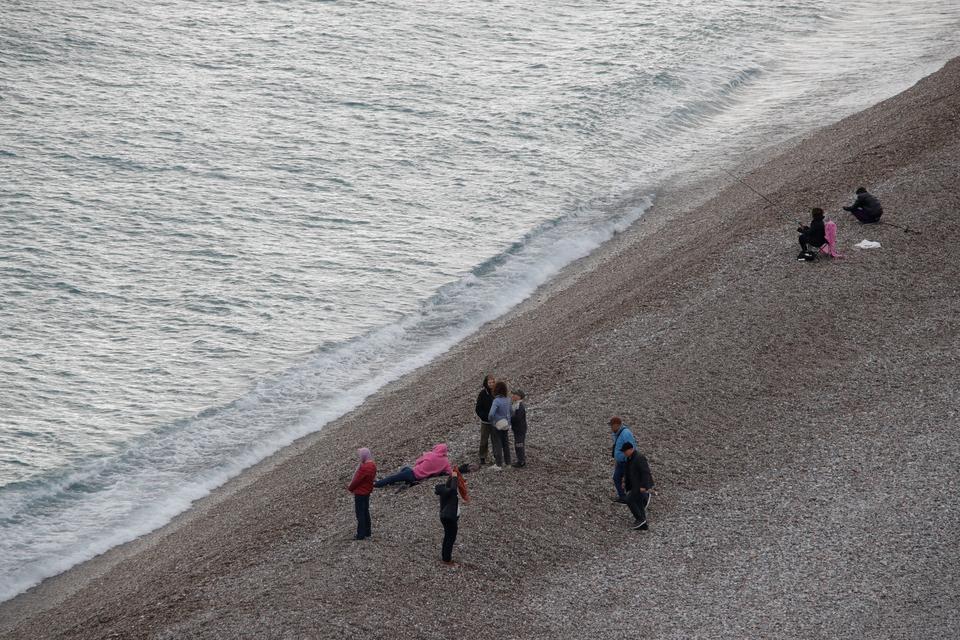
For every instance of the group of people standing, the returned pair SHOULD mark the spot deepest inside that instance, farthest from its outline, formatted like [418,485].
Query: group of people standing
[501,411]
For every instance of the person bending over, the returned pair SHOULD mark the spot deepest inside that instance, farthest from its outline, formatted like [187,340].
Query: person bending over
[812,235]
[639,483]
[431,463]
[866,208]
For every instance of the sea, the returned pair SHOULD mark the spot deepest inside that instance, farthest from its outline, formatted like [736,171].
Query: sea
[225,224]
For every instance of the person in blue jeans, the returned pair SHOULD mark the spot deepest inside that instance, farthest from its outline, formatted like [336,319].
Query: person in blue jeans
[621,434]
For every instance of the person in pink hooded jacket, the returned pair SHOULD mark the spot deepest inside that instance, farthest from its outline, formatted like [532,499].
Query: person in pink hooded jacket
[431,463]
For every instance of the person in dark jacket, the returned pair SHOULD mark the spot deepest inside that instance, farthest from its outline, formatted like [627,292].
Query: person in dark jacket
[484,400]
[812,235]
[639,482]
[361,487]
[518,422]
[450,511]
[866,208]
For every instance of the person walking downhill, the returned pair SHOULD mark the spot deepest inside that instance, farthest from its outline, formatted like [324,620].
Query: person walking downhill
[621,434]
[450,511]
[518,422]
[484,401]
[499,417]
[639,483]
[429,464]
[361,487]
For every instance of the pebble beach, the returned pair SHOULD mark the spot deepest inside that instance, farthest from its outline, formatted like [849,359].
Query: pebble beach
[800,420]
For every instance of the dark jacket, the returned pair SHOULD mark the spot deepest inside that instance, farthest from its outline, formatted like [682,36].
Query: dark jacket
[484,402]
[638,473]
[815,232]
[449,501]
[866,203]
[519,419]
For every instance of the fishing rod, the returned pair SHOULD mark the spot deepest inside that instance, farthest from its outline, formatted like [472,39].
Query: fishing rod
[896,226]
[771,202]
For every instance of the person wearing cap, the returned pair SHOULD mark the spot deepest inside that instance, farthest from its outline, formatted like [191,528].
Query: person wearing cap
[866,208]
[621,434]
[639,483]
[361,487]
[518,422]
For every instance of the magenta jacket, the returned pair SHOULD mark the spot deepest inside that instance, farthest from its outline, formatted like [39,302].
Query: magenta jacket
[432,463]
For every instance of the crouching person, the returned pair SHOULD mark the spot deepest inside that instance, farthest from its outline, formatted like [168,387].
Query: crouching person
[639,483]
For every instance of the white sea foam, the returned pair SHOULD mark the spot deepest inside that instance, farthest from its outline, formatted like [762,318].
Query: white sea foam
[162,273]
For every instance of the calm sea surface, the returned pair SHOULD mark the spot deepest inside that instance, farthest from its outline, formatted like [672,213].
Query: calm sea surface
[224,224]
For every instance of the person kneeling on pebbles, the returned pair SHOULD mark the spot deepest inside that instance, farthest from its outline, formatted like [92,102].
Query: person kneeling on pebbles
[431,463]
[639,483]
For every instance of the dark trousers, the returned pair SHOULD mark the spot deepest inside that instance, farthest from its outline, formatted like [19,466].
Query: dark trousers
[618,470]
[361,504]
[501,446]
[805,240]
[864,217]
[638,501]
[449,537]
[485,429]
[404,475]
[520,444]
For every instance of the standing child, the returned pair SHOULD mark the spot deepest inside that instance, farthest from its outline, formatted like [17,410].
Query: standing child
[450,511]
[361,487]
[518,422]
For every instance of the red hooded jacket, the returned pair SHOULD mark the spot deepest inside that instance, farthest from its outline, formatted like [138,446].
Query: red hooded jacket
[362,483]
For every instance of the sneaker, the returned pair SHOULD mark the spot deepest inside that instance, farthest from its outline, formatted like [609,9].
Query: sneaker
[496,467]
[518,465]
[641,525]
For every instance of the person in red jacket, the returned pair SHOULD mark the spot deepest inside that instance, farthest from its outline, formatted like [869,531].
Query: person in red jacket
[361,487]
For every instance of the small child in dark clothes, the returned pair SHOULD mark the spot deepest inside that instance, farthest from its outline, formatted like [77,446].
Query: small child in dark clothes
[518,422]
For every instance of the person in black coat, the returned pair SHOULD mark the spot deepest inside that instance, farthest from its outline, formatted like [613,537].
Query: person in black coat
[812,235]
[518,422]
[866,208]
[639,484]
[484,401]
[449,512]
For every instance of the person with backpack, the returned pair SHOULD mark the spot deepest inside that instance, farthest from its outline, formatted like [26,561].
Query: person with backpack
[518,423]
[484,401]
[621,434]
[499,418]
[866,208]
[361,487]
[639,483]
[450,511]
[812,235]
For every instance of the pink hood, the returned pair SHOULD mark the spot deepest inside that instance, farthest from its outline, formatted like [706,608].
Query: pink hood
[432,463]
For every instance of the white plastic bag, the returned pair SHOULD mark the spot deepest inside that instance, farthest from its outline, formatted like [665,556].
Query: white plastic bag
[867,244]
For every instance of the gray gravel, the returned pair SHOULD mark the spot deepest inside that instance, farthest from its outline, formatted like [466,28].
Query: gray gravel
[800,419]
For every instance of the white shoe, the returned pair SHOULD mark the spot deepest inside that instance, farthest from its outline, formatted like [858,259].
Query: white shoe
[496,467]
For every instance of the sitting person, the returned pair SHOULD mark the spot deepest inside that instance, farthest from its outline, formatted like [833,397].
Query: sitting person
[430,464]
[866,208]
[812,235]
